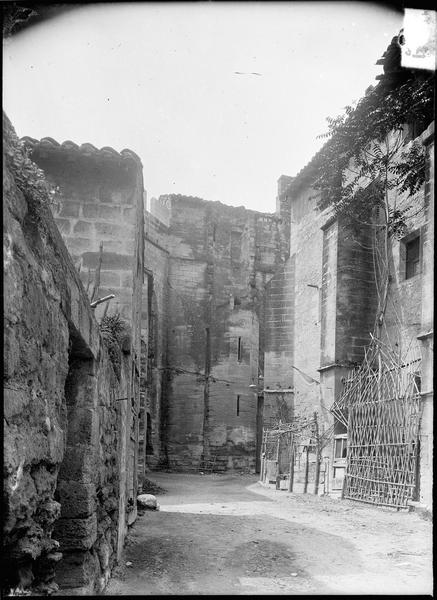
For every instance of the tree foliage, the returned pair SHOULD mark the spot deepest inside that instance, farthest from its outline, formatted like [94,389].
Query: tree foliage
[366,154]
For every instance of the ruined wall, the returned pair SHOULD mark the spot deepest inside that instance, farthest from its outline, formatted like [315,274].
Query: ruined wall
[62,417]
[101,202]
[220,261]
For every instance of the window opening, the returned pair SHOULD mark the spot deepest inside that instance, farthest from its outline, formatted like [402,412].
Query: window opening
[412,257]
[238,406]
[239,350]
[340,448]
[149,445]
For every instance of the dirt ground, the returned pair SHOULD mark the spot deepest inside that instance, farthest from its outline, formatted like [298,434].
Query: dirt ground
[228,534]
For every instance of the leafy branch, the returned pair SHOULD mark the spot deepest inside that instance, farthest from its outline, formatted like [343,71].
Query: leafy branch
[368,161]
[364,149]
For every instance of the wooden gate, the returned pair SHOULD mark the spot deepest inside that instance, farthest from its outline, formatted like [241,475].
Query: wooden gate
[381,408]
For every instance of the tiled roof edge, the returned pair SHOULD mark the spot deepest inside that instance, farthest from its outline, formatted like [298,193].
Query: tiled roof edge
[85,149]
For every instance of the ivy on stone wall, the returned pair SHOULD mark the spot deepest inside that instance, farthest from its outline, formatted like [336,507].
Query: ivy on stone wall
[368,154]
[373,160]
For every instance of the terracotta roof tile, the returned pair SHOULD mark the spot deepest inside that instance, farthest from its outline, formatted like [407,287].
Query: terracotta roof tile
[86,149]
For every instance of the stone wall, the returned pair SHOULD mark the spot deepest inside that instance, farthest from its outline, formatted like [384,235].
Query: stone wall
[409,317]
[62,412]
[426,335]
[101,202]
[155,312]
[220,260]
[279,347]
[322,305]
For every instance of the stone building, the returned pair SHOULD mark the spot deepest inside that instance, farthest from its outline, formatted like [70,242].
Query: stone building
[206,268]
[220,259]
[69,429]
[321,308]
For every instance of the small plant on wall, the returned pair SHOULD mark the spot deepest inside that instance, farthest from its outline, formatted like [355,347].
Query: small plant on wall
[30,179]
[115,331]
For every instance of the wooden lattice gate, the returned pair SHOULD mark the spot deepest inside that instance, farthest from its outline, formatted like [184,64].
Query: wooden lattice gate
[381,408]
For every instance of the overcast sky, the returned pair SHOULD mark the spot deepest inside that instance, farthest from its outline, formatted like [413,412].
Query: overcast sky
[161,80]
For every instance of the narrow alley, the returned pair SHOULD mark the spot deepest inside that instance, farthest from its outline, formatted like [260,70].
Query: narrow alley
[219,274]
[227,534]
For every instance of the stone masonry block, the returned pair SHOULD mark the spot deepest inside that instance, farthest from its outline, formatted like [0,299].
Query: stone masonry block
[90,211]
[77,245]
[64,226]
[109,213]
[77,569]
[76,534]
[69,209]
[83,227]
[126,279]
[112,230]
[82,426]
[110,279]
[111,261]
[129,214]
[15,401]
[79,465]
[77,499]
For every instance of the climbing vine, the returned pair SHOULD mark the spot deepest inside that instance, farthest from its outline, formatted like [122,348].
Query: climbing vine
[371,159]
[368,154]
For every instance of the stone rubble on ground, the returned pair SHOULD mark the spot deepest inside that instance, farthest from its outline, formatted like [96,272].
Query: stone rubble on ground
[147,501]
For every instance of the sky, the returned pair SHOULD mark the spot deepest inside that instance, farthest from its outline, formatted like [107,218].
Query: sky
[164,80]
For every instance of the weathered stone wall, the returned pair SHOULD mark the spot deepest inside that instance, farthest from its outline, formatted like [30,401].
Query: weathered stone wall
[294,311]
[155,314]
[88,486]
[409,317]
[331,301]
[306,243]
[356,307]
[220,261]
[62,414]
[279,346]
[403,317]
[426,336]
[102,202]
[101,191]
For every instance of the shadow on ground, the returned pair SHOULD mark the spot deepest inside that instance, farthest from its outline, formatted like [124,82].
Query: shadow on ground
[178,553]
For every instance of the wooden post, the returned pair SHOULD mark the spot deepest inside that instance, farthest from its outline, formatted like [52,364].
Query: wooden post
[277,458]
[318,452]
[291,480]
[307,466]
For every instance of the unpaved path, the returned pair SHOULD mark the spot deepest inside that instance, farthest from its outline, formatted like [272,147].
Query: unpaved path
[227,534]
